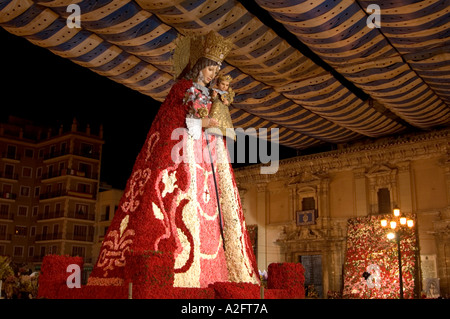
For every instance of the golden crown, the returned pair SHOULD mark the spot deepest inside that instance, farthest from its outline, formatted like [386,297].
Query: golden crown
[225,78]
[190,48]
[216,47]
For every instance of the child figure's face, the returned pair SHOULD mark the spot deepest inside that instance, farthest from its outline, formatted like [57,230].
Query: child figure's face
[223,85]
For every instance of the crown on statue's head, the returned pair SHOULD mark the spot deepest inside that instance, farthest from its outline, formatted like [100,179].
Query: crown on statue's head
[191,47]
[225,78]
[216,47]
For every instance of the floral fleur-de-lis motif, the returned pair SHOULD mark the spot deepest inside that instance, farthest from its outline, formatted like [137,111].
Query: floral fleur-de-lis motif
[139,178]
[136,188]
[114,249]
[151,144]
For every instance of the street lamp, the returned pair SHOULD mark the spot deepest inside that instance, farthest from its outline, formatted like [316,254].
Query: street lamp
[398,224]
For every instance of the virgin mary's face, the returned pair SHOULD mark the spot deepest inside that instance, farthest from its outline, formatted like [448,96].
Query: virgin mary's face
[209,73]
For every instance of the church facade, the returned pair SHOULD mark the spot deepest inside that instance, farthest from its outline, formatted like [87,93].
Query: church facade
[300,213]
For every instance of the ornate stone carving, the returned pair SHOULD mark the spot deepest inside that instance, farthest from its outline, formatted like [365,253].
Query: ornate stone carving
[387,150]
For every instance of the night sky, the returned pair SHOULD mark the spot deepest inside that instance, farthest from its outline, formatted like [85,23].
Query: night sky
[41,86]
[50,90]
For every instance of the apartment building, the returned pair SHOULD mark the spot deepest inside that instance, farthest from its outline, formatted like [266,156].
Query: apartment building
[49,183]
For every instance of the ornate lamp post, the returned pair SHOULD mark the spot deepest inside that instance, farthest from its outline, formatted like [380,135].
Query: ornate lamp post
[398,224]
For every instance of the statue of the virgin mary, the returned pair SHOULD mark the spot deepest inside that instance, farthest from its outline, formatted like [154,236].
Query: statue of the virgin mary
[180,177]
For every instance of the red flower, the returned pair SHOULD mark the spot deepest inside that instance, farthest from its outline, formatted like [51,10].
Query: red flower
[54,274]
[367,244]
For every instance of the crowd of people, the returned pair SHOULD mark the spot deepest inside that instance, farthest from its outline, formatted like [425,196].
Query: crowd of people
[17,282]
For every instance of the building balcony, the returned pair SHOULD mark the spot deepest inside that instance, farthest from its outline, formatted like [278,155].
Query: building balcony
[38,259]
[87,153]
[51,155]
[104,218]
[82,153]
[70,172]
[10,176]
[54,194]
[68,236]
[5,237]
[80,215]
[46,237]
[64,192]
[79,194]
[61,214]
[7,195]
[12,156]
[80,237]
[50,215]
[6,216]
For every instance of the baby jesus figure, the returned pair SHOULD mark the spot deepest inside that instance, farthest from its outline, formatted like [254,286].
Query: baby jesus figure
[222,96]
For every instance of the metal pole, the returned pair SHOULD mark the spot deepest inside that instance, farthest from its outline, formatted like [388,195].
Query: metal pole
[400,276]
[130,290]
[217,191]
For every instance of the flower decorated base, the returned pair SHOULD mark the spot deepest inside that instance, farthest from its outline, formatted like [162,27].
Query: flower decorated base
[53,275]
[147,276]
[285,281]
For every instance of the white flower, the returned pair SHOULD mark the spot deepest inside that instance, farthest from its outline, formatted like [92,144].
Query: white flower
[169,182]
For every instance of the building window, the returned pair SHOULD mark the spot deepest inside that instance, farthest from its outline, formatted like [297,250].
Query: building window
[87,150]
[20,231]
[39,172]
[53,250]
[9,171]
[52,151]
[30,251]
[83,188]
[11,152]
[64,148]
[56,229]
[50,171]
[79,232]
[308,203]
[384,201]
[81,209]
[3,232]
[22,211]
[7,192]
[61,167]
[18,251]
[107,210]
[4,211]
[78,251]
[29,153]
[24,191]
[45,233]
[308,213]
[27,172]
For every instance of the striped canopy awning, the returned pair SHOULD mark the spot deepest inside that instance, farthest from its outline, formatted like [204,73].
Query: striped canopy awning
[313,69]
